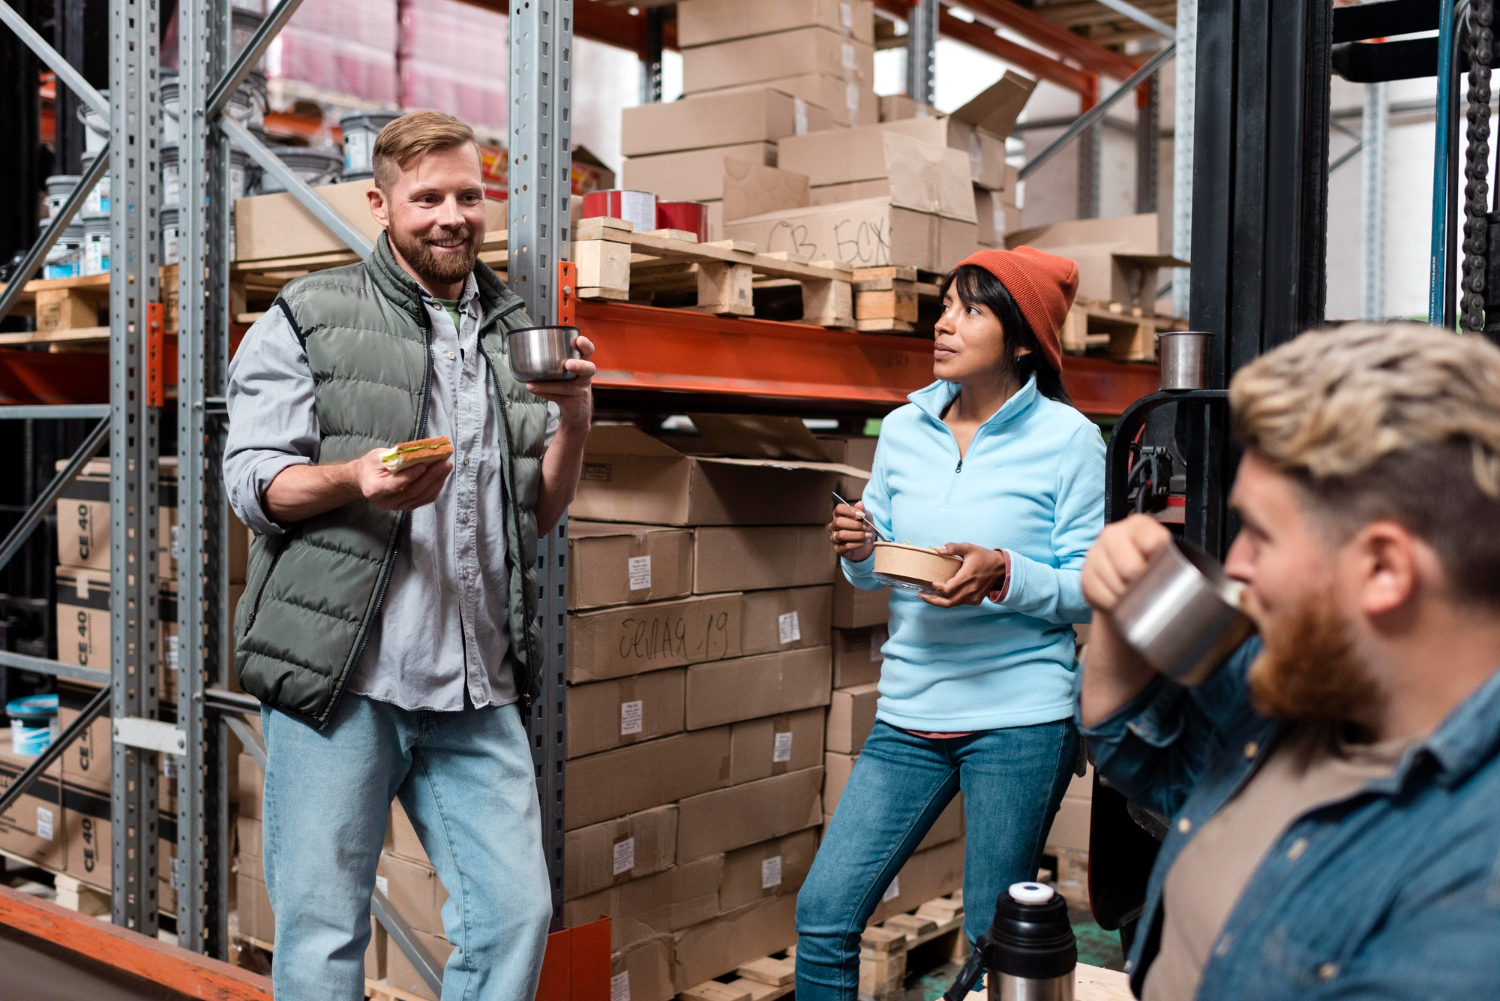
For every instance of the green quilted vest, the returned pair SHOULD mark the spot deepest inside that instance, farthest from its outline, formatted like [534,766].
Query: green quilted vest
[313,592]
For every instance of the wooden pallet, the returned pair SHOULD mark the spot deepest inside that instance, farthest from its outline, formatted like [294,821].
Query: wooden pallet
[886,949]
[671,268]
[1070,874]
[79,896]
[896,300]
[72,314]
[1125,334]
[764,979]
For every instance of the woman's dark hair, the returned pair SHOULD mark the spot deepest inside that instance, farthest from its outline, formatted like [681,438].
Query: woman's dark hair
[977,287]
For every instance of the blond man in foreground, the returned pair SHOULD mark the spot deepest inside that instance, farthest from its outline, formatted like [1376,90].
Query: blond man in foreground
[389,624]
[1334,790]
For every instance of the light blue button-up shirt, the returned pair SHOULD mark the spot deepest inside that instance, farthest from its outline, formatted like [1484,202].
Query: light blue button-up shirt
[442,637]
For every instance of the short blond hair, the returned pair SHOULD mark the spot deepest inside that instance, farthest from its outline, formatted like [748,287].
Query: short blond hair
[1387,421]
[410,137]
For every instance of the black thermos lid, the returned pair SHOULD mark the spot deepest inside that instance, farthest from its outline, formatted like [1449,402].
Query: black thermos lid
[1031,936]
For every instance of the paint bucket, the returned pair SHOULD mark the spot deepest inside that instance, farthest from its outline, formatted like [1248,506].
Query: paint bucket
[96,239]
[691,217]
[33,723]
[313,164]
[360,129]
[59,187]
[635,207]
[169,235]
[171,177]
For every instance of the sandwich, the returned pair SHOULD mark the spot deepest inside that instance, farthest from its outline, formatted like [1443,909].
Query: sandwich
[417,453]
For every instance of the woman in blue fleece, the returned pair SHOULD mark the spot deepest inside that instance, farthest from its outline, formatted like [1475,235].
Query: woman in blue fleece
[990,463]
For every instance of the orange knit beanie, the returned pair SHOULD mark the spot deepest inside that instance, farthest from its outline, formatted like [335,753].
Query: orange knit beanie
[1043,286]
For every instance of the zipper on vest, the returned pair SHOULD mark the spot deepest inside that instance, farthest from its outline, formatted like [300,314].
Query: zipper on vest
[255,608]
[390,563]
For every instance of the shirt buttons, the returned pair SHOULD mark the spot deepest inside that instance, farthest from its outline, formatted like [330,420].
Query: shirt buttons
[1298,847]
[452,356]
[466,575]
[466,461]
[1222,948]
[1252,749]
[463,519]
[1328,971]
[1184,825]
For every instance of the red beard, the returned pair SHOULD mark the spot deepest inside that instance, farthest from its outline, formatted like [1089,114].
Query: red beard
[434,270]
[1308,671]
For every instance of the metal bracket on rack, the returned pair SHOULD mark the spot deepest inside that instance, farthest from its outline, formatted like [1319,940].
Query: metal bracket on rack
[567,282]
[148,735]
[156,355]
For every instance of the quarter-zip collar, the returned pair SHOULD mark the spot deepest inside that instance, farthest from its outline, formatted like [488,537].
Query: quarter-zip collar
[934,399]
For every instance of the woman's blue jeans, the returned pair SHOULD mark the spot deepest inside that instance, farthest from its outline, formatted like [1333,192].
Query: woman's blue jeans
[1012,781]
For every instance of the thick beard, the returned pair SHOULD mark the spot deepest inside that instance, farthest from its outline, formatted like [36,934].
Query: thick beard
[435,271]
[1309,672]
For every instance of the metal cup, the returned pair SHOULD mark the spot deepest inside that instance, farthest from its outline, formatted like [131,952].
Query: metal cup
[1183,359]
[1183,614]
[537,354]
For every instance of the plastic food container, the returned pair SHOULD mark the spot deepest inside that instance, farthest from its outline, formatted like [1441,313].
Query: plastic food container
[33,723]
[913,568]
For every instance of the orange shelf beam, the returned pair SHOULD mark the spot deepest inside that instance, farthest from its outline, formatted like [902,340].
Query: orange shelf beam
[676,351]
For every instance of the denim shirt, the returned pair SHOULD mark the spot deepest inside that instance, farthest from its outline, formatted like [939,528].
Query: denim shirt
[1391,893]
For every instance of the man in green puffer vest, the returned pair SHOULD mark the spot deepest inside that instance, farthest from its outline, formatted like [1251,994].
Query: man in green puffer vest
[389,621]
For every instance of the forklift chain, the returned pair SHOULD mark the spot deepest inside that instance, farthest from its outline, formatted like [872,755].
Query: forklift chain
[1479,42]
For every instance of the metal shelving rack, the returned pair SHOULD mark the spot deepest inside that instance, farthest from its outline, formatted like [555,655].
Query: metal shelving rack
[642,351]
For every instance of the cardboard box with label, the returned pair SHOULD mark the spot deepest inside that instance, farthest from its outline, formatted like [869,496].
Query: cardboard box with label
[83,627]
[768,869]
[33,826]
[851,717]
[632,477]
[763,58]
[764,685]
[618,642]
[642,972]
[83,521]
[849,103]
[623,711]
[706,950]
[870,232]
[1074,820]
[693,176]
[703,22]
[856,656]
[653,905]
[789,619]
[755,116]
[753,189]
[610,564]
[775,745]
[631,779]
[617,851]
[87,835]
[761,558]
[876,161]
[726,819]
[927,874]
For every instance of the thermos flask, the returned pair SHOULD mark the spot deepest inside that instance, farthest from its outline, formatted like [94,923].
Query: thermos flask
[1029,953]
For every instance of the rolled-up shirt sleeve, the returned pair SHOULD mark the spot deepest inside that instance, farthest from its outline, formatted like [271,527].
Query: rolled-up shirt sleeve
[273,422]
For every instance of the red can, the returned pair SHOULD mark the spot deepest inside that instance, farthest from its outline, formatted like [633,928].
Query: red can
[635,207]
[689,216]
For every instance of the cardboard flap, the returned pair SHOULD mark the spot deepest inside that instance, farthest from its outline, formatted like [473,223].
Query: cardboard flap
[580,529]
[1131,234]
[928,177]
[759,436]
[996,108]
[625,439]
[788,464]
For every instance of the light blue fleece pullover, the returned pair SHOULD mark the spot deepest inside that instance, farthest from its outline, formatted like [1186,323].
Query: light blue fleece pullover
[1032,484]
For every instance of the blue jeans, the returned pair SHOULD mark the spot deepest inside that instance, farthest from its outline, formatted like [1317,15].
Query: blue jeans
[465,779]
[1012,781]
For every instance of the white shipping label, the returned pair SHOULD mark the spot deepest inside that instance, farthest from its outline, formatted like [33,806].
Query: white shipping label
[624,856]
[81,586]
[877,640]
[44,823]
[640,572]
[639,207]
[846,13]
[851,102]
[383,884]
[893,891]
[781,749]
[770,872]
[789,628]
[799,116]
[847,51]
[619,987]
[630,717]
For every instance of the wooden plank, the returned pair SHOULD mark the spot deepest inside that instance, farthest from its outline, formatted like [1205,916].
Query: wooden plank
[765,264]
[892,272]
[761,992]
[725,289]
[913,925]
[883,940]
[713,990]
[883,326]
[896,304]
[156,962]
[54,336]
[767,970]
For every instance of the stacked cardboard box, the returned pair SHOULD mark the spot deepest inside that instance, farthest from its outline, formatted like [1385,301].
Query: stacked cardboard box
[700,670]
[919,189]
[1118,258]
